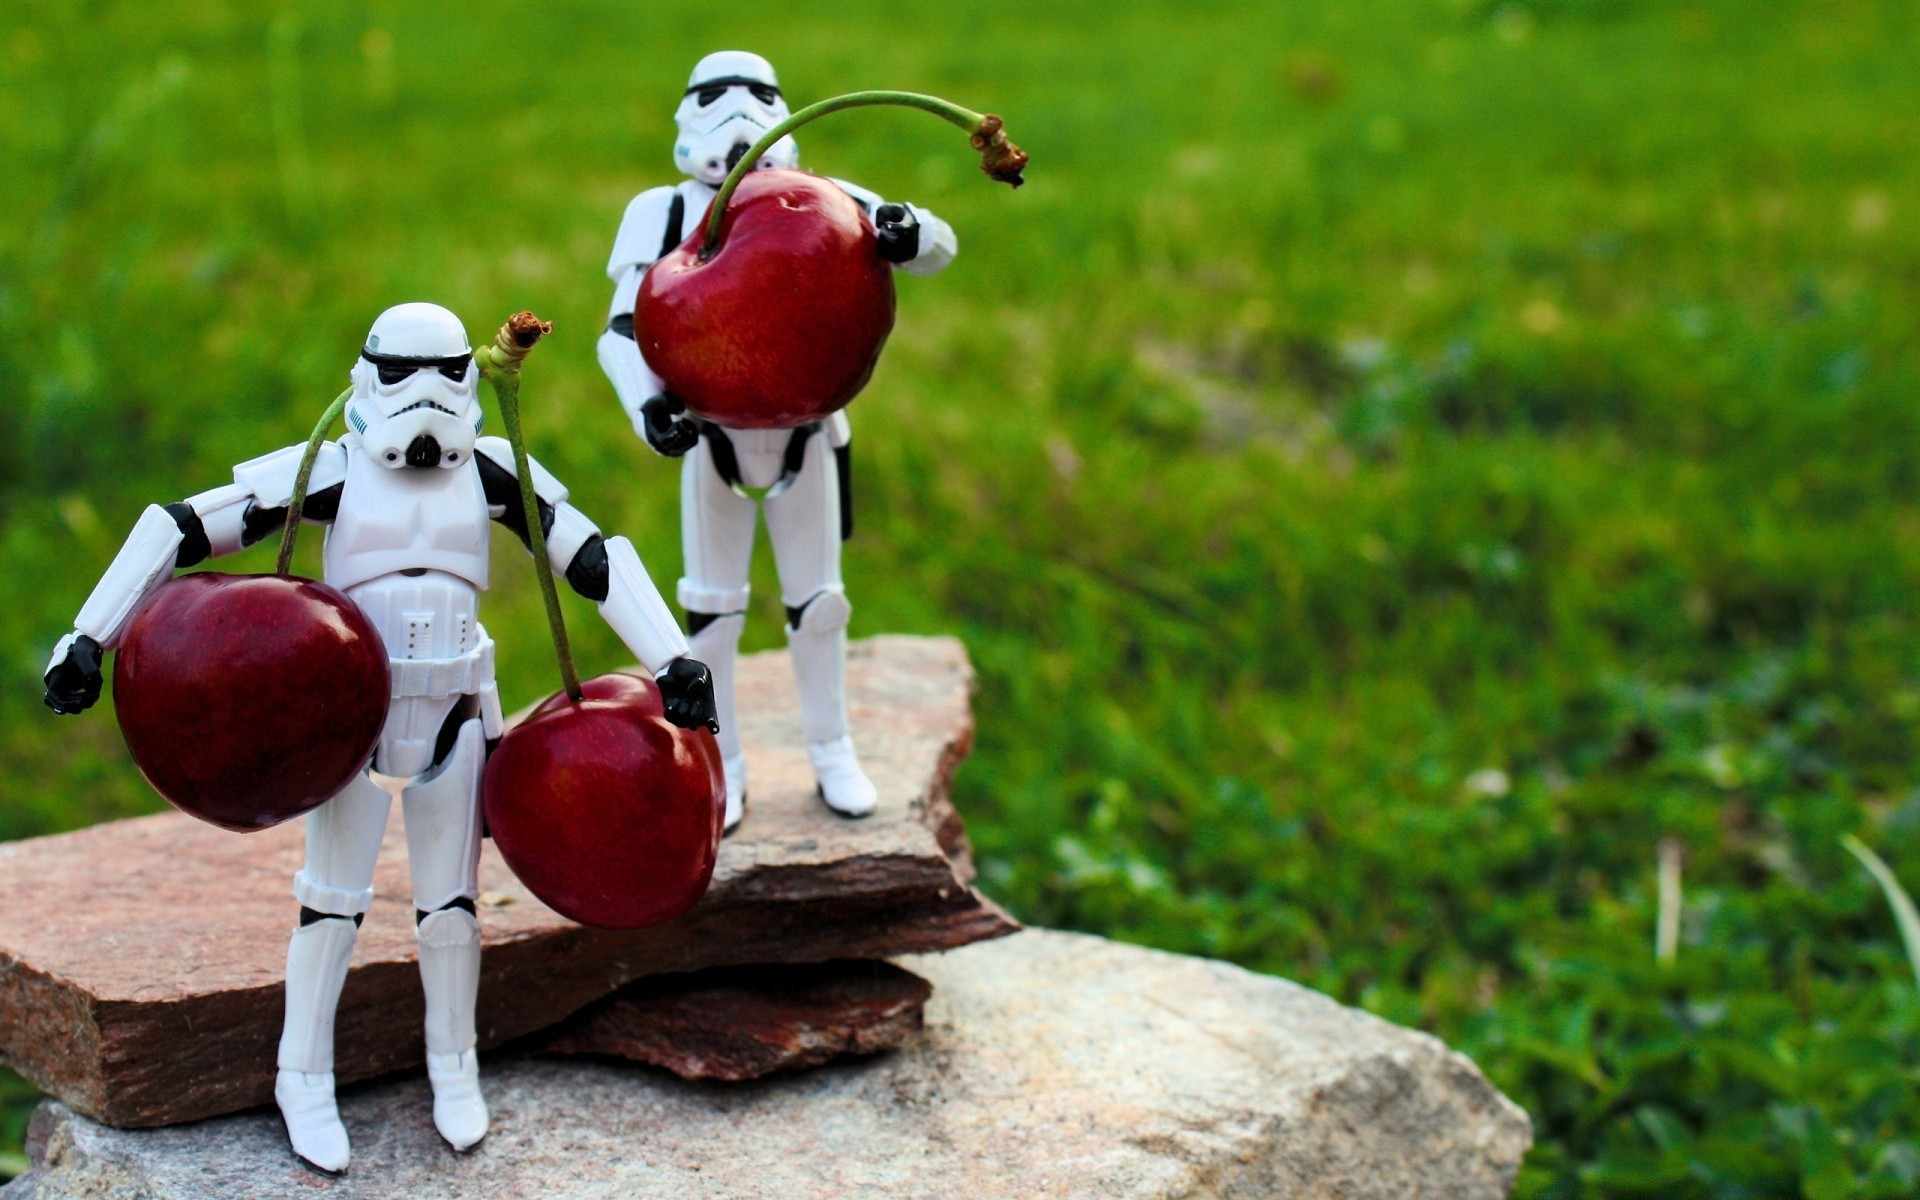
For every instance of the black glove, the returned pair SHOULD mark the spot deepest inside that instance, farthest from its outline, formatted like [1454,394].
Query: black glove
[687,687]
[899,232]
[667,431]
[73,683]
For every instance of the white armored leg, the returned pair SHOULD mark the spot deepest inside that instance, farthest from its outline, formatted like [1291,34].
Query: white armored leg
[442,814]
[803,520]
[317,959]
[443,844]
[450,976]
[717,644]
[818,648]
[343,843]
[334,888]
[716,533]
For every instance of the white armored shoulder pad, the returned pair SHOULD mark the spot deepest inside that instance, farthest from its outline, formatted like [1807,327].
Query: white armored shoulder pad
[499,451]
[269,478]
[641,229]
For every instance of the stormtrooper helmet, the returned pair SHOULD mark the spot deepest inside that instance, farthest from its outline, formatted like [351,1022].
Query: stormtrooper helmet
[733,98]
[415,401]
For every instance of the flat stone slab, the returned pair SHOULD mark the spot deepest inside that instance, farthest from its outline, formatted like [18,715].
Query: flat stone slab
[1053,1065]
[141,962]
[736,1023]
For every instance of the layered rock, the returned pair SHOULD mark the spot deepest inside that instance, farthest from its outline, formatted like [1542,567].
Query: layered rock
[736,1023]
[141,961]
[1052,1065]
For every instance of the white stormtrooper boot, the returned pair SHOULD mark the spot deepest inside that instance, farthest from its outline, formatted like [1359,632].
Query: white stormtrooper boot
[717,644]
[450,976]
[843,785]
[459,1110]
[818,648]
[317,958]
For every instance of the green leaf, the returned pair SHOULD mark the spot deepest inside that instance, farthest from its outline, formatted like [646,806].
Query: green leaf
[1904,913]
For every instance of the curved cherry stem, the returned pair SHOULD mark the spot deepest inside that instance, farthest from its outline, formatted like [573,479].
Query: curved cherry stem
[999,157]
[500,366]
[290,532]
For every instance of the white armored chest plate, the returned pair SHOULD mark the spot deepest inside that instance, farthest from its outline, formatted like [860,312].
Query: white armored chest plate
[408,520]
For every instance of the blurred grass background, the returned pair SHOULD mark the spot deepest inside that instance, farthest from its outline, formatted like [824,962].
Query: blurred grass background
[1397,463]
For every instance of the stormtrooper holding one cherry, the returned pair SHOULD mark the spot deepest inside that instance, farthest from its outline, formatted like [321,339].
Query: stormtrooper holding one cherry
[407,495]
[732,99]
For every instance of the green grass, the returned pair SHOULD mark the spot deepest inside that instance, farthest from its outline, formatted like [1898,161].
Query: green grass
[1394,465]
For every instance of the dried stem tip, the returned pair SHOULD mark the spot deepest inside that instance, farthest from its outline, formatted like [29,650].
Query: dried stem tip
[516,338]
[999,158]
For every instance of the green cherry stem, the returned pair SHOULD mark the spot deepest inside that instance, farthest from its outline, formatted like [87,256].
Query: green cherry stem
[999,157]
[500,366]
[291,530]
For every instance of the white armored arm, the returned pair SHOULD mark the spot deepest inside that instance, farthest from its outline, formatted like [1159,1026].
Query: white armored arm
[839,429]
[209,525]
[652,225]
[567,529]
[936,244]
[145,561]
[212,524]
[643,229]
[269,479]
[635,610]
[606,571]
[633,381]
[568,535]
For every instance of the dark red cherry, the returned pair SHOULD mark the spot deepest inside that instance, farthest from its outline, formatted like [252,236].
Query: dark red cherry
[247,700]
[783,325]
[606,811]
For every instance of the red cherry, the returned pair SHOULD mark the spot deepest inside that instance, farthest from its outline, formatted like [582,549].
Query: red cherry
[247,700]
[784,324]
[606,811]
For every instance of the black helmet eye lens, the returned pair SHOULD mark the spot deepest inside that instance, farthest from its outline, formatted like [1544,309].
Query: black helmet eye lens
[395,369]
[709,93]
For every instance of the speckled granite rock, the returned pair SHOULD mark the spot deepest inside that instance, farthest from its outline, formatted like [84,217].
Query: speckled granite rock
[1052,1065]
[141,961]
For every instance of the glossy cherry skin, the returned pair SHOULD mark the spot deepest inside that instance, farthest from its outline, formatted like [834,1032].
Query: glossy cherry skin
[247,700]
[606,811]
[785,323]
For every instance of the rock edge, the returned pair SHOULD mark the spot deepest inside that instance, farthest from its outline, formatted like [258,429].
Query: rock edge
[1053,1065]
[141,961]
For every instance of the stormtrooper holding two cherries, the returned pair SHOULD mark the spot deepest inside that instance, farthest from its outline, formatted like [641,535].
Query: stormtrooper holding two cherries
[732,99]
[408,496]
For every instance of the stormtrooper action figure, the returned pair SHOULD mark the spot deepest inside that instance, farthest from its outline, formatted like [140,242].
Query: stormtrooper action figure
[407,495]
[732,99]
